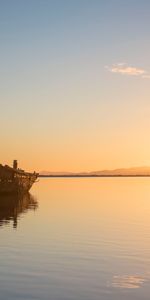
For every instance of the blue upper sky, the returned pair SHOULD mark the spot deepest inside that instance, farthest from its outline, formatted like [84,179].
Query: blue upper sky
[75,74]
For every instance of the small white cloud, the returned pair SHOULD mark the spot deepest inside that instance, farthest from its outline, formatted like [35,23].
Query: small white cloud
[124,69]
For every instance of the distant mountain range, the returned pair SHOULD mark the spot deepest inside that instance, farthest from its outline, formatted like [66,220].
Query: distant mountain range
[120,172]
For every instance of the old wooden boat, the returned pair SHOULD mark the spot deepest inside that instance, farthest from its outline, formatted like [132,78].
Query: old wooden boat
[15,180]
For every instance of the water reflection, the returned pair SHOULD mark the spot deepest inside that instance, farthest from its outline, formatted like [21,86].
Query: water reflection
[129,281]
[11,206]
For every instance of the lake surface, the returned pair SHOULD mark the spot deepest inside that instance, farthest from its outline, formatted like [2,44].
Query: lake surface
[77,239]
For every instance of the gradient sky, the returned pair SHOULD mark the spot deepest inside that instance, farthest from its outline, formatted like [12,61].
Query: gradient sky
[75,84]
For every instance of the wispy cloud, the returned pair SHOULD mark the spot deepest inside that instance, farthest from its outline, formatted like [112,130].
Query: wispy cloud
[125,69]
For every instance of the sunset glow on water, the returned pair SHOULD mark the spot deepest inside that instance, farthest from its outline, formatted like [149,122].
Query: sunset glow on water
[88,238]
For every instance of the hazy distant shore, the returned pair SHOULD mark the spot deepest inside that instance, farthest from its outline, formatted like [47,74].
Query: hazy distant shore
[122,172]
[67,176]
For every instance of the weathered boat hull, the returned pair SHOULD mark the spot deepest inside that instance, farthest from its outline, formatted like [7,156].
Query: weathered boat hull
[16,186]
[14,180]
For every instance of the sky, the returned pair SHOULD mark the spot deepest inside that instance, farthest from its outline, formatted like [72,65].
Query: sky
[75,84]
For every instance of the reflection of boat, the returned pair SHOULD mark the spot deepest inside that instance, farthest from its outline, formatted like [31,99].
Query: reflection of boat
[14,180]
[12,206]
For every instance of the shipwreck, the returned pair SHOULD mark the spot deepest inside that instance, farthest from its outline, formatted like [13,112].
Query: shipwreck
[15,180]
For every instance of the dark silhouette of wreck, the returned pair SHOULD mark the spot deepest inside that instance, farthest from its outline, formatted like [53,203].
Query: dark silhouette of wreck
[15,180]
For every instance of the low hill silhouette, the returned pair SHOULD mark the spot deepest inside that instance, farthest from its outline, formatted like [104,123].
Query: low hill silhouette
[143,171]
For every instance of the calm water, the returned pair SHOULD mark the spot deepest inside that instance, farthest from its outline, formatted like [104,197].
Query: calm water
[77,239]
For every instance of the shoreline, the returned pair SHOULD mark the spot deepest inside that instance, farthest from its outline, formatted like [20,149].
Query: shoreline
[74,176]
